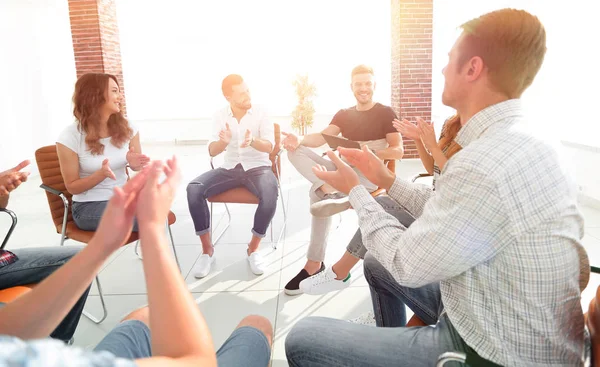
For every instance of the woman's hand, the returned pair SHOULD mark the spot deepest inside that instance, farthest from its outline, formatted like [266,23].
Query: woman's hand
[137,161]
[407,129]
[427,134]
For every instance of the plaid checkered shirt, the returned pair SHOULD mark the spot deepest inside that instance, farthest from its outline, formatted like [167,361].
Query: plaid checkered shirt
[502,235]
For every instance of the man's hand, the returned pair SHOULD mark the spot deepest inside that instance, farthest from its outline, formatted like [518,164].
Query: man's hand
[290,142]
[225,134]
[12,178]
[407,129]
[247,139]
[156,199]
[369,165]
[17,168]
[343,179]
[107,171]
[137,161]
[427,134]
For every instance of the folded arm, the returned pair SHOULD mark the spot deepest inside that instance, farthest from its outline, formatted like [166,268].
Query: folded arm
[394,151]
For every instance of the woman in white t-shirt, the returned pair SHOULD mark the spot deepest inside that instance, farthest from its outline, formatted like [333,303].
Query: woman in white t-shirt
[95,151]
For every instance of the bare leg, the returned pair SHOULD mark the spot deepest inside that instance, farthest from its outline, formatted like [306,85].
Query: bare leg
[312,266]
[253,245]
[344,265]
[207,247]
[260,323]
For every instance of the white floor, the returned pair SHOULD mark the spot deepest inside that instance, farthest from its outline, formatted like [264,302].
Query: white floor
[231,291]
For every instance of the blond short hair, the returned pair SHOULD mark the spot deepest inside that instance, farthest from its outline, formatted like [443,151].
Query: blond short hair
[512,45]
[362,69]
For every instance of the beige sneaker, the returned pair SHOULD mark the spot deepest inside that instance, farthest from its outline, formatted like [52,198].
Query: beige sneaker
[330,205]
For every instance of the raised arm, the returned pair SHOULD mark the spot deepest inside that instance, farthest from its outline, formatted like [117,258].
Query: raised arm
[10,180]
[412,131]
[59,292]
[180,335]
[265,140]
[135,158]
[220,138]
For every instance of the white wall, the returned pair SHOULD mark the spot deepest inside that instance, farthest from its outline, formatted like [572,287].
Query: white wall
[563,101]
[585,165]
[38,70]
[176,54]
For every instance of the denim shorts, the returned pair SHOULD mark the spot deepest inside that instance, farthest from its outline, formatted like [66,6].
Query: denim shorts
[246,346]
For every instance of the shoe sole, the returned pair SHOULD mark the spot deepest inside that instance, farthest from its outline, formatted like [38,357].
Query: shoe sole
[312,293]
[293,292]
[201,276]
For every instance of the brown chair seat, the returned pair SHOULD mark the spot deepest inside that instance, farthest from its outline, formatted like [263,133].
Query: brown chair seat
[239,195]
[74,233]
[10,294]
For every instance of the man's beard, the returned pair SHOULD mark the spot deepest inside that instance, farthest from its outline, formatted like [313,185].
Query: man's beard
[360,100]
[244,106]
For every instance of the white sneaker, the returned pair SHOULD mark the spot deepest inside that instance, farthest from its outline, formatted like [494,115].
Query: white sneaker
[324,282]
[203,265]
[257,263]
[365,319]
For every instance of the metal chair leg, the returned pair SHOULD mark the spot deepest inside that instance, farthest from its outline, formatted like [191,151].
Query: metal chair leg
[450,357]
[137,250]
[104,311]
[214,242]
[340,222]
[282,232]
[13,217]
[173,245]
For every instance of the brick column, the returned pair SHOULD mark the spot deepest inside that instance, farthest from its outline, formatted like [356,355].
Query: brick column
[412,27]
[96,39]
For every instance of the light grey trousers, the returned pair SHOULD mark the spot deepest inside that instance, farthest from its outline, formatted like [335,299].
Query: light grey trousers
[304,159]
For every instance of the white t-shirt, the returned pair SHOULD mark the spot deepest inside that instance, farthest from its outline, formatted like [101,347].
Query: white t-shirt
[74,139]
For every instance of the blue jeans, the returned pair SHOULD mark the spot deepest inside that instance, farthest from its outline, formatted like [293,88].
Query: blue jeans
[356,246]
[35,265]
[260,181]
[246,346]
[329,342]
[87,214]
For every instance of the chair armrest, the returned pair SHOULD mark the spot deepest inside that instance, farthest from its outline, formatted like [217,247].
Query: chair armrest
[13,216]
[451,357]
[420,175]
[469,359]
[66,212]
[51,190]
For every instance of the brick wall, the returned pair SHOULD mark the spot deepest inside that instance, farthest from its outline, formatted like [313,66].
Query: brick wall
[412,27]
[96,39]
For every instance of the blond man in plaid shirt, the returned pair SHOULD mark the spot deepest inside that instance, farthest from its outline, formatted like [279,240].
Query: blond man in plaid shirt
[494,261]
